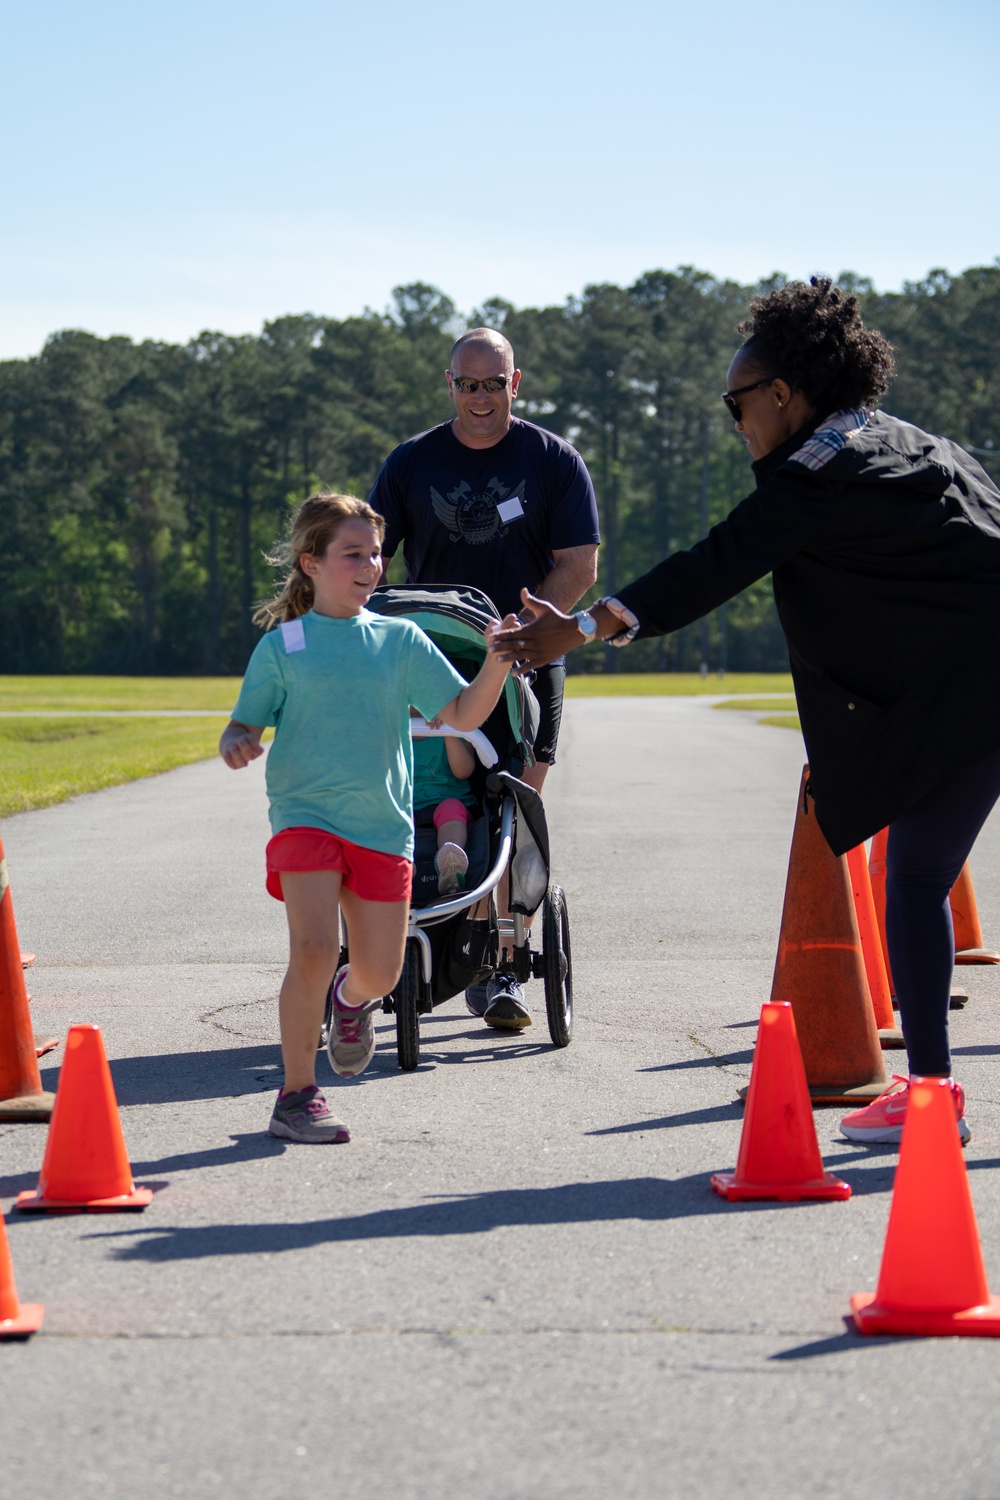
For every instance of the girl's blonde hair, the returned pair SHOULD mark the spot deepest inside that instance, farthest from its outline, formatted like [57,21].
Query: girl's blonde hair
[310,532]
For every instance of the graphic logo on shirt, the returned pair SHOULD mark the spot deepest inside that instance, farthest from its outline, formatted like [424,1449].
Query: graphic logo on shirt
[471,515]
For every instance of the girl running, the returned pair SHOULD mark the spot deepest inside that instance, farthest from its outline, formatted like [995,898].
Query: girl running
[337,681]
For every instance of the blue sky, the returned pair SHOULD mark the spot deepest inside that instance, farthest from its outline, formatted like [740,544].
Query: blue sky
[173,167]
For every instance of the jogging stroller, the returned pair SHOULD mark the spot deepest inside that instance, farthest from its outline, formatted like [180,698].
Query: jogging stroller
[445,952]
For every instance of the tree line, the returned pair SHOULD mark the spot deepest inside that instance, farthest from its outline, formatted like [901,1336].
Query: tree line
[142,484]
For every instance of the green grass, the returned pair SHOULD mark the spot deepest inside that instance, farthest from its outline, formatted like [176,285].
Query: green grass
[756,705]
[45,760]
[775,711]
[673,684]
[41,694]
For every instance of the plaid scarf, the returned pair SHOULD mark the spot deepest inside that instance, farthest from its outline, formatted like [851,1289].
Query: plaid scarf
[827,441]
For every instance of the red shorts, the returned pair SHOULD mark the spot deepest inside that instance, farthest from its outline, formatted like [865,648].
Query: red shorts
[369,873]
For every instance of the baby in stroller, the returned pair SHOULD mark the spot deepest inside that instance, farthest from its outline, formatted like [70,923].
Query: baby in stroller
[442,799]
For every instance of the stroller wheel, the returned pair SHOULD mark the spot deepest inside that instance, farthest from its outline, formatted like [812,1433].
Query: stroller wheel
[407,994]
[557,966]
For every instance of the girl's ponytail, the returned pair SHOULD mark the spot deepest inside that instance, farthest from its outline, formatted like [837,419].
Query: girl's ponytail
[295,598]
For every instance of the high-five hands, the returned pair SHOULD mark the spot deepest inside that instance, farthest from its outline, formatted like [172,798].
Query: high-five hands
[548,634]
[496,629]
[494,668]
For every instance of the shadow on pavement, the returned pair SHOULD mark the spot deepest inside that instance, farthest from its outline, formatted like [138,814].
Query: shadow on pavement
[843,1343]
[171,1077]
[863,1184]
[250,1147]
[643,1198]
[722,1060]
[487,1049]
[18,1182]
[230,1072]
[705,1116]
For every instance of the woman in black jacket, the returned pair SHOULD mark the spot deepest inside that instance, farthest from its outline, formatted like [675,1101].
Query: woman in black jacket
[883,543]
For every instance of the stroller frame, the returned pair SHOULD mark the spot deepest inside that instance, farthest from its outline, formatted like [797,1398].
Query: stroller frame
[517,822]
[412,997]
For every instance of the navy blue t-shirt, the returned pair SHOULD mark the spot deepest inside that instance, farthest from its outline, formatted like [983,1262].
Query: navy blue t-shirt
[489,517]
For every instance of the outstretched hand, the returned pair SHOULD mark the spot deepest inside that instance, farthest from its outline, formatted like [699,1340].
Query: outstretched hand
[548,634]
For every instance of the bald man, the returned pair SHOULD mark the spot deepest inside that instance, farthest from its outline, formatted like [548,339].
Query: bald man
[493,501]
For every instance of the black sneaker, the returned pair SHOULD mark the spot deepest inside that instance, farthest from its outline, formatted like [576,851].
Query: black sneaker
[505,1007]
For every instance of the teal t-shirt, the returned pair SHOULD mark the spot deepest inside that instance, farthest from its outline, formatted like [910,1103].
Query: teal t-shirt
[433,779]
[338,693]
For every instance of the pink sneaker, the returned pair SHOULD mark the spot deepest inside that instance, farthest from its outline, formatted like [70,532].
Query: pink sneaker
[881,1122]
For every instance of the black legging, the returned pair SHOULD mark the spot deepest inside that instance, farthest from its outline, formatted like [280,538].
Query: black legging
[926,850]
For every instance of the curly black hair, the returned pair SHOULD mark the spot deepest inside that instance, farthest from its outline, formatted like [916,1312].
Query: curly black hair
[813,337]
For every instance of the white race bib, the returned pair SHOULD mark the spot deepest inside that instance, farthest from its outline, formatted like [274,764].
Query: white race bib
[509,510]
[294,636]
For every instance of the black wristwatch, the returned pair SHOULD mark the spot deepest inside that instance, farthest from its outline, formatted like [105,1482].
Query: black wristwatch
[587,624]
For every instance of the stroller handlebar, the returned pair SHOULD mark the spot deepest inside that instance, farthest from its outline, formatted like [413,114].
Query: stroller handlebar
[420,729]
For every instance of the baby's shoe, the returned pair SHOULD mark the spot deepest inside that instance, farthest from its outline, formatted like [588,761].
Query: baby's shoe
[451,863]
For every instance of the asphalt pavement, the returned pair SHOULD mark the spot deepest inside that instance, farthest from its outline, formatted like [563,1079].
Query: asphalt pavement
[515,1281]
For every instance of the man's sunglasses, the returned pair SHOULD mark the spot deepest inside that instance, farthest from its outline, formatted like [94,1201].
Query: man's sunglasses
[733,406]
[469,387]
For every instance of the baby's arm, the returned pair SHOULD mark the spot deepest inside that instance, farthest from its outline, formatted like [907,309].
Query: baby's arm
[477,701]
[240,744]
[461,758]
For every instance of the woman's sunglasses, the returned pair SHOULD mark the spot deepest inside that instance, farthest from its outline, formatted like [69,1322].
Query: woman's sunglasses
[469,387]
[732,405]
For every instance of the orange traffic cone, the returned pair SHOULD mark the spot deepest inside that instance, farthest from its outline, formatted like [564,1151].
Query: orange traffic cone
[17,1319]
[820,968]
[43,1044]
[969,947]
[779,1153]
[876,872]
[889,1034]
[21,1094]
[85,1166]
[932,1279]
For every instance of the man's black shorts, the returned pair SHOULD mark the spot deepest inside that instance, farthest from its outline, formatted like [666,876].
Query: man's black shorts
[547,684]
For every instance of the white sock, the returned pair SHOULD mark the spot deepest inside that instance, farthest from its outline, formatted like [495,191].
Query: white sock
[341,998]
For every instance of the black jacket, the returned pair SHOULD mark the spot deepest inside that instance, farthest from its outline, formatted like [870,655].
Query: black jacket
[886,576]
